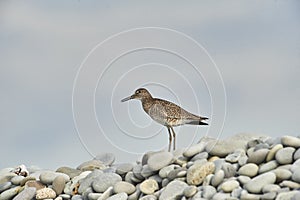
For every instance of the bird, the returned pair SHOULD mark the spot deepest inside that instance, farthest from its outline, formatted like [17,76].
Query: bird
[166,113]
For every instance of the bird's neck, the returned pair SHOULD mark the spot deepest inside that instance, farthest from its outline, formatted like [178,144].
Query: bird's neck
[147,103]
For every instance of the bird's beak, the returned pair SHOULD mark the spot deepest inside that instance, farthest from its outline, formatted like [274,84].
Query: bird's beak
[127,98]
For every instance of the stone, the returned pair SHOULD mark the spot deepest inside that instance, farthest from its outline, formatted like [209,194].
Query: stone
[173,190]
[290,184]
[58,184]
[297,154]
[229,170]
[229,185]
[36,184]
[149,186]
[190,191]
[285,155]
[107,193]
[268,166]
[208,191]
[4,186]
[286,195]
[296,196]
[91,165]
[17,180]
[243,179]
[10,193]
[137,171]
[235,156]
[249,170]
[94,196]
[149,197]
[104,181]
[146,171]
[199,156]
[273,151]
[69,171]
[197,173]
[123,186]
[290,141]
[159,160]
[217,178]
[47,177]
[270,188]
[26,194]
[26,179]
[45,193]
[124,168]
[120,196]
[163,172]
[221,196]
[72,186]
[282,174]
[258,156]
[87,181]
[296,175]
[246,196]
[195,149]
[105,158]
[256,184]
[77,197]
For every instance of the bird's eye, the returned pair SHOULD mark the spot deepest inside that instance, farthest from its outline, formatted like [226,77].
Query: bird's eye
[137,92]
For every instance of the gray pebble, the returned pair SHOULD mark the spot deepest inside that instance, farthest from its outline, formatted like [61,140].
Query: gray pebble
[148,197]
[199,156]
[285,155]
[26,194]
[208,191]
[120,196]
[10,193]
[146,171]
[290,141]
[190,191]
[258,156]
[87,181]
[94,196]
[297,154]
[163,173]
[58,184]
[173,190]
[270,188]
[77,197]
[229,170]
[267,166]
[107,193]
[69,171]
[235,156]
[229,185]
[17,180]
[91,165]
[137,171]
[243,179]
[124,168]
[195,149]
[159,160]
[47,177]
[104,181]
[221,196]
[5,186]
[249,169]
[282,174]
[123,186]
[217,178]
[296,175]
[290,184]
[286,195]
[256,184]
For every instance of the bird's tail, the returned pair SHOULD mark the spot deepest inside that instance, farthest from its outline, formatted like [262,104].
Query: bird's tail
[199,121]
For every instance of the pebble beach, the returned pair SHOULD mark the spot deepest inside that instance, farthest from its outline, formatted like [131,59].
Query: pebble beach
[244,166]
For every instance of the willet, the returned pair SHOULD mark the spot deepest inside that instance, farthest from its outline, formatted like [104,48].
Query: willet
[165,113]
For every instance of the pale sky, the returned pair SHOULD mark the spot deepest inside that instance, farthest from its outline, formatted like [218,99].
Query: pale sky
[102,50]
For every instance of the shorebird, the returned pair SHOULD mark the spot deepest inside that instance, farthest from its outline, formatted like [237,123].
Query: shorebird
[165,113]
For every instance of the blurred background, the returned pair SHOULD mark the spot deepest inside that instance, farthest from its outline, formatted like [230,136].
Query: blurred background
[55,78]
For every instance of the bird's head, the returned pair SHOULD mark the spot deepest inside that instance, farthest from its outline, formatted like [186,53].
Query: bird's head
[140,94]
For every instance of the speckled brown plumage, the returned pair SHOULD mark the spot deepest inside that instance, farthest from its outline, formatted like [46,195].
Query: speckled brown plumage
[166,113]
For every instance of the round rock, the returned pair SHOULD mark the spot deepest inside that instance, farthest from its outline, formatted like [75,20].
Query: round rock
[124,168]
[45,193]
[91,165]
[268,166]
[256,184]
[69,171]
[149,186]
[249,169]
[296,175]
[285,155]
[47,177]
[208,191]
[273,151]
[173,190]
[190,191]
[195,149]
[104,181]
[4,186]
[217,178]
[258,156]
[123,186]
[10,193]
[120,196]
[159,160]
[290,141]
[229,185]
[58,184]
[282,174]
[26,194]
[197,172]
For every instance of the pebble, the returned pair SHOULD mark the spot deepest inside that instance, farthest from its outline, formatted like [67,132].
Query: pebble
[234,157]
[221,196]
[124,168]
[190,191]
[285,155]
[258,156]
[208,191]
[195,149]
[149,186]
[243,179]
[10,193]
[256,184]
[290,184]
[286,195]
[159,160]
[26,179]
[87,181]
[146,171]
[270,188]
[290,141]
[229,185]
[296,175]
[26,194]
[297,154]
[268,166]
[197,173]
[5,186]
[148,197]
[36,184]
[249,170]
[120,196]
[69,171]
[273,151]
[91,165]
[17,180]
[104,181]
[229,170]
[45,193]
[94,196]
[173,190]
[107,193]
[105,158]
[217,178]
[58,184]
[123,186]
[47,177]
[282,174]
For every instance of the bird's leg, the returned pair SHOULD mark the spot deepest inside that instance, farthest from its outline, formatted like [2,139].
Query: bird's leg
[170,138]
[174,138]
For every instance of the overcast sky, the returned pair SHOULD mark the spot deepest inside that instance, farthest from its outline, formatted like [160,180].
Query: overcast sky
[236,62]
